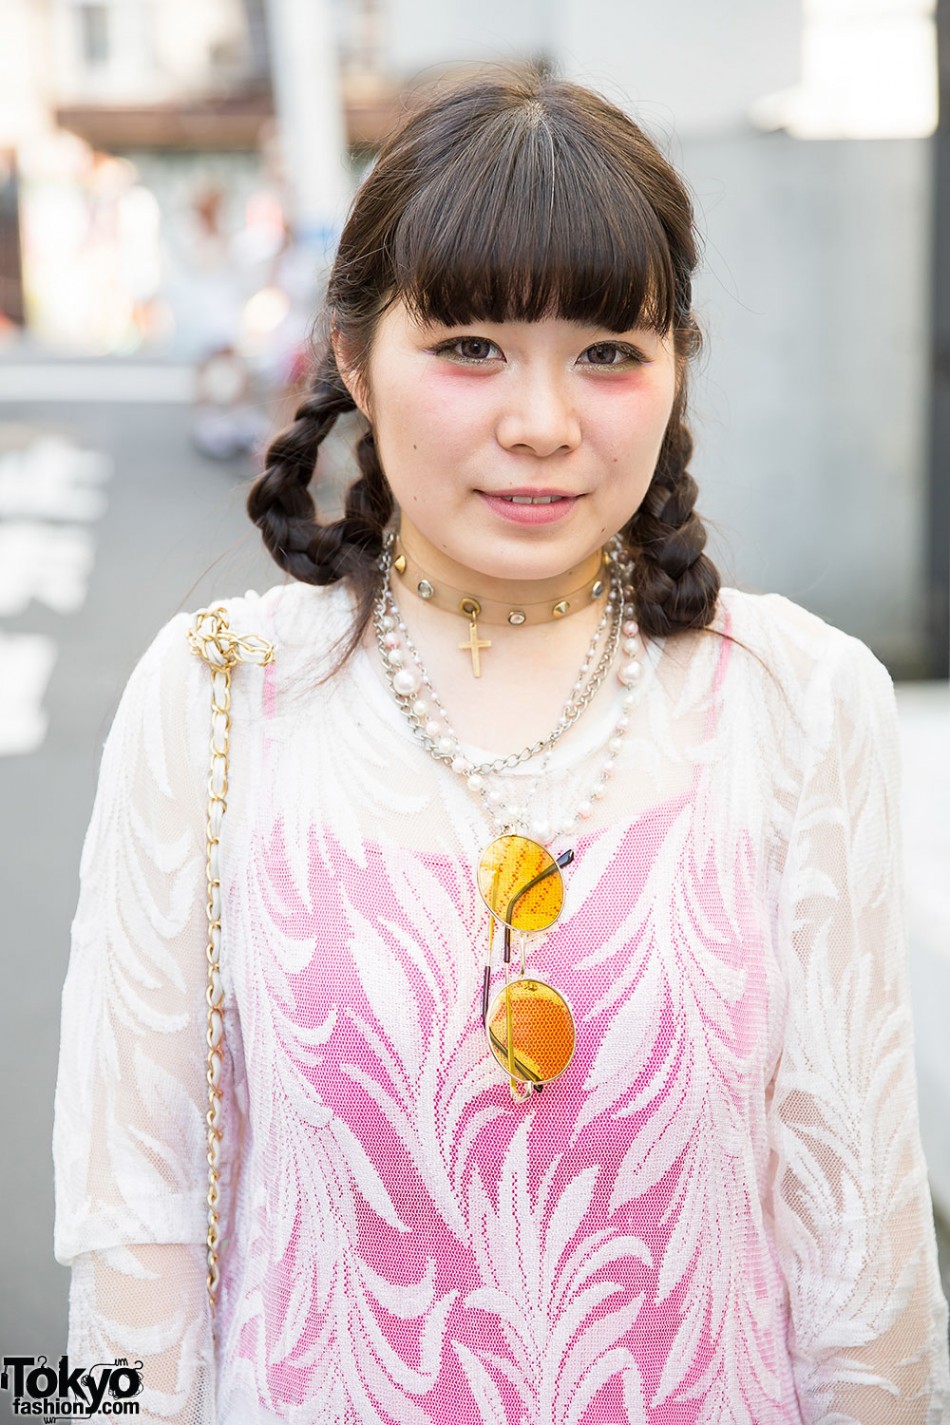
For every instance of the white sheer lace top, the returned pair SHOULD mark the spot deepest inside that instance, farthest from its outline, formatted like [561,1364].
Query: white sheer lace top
[720,1212]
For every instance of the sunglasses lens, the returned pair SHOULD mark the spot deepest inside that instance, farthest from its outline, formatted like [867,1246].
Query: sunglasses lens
[542,1031]
[520,882]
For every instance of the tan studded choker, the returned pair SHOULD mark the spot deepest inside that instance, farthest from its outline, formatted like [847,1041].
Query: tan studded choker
[497,611]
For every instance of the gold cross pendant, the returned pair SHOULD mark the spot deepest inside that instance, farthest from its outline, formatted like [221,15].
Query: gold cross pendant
[473,609]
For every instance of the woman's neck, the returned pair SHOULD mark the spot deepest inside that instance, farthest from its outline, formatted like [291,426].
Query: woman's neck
[441,569]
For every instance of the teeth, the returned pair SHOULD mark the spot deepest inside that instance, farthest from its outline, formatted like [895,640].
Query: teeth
[531,500]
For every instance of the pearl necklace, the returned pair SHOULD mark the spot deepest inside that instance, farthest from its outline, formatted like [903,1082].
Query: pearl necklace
[440,739]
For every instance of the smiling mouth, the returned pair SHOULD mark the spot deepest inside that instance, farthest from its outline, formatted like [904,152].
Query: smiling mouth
[531,499]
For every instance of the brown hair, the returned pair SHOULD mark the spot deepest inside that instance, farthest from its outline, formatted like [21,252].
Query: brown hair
[502,199]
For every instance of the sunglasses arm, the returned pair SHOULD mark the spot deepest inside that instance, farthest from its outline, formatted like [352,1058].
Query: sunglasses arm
[565,859]
[486,981]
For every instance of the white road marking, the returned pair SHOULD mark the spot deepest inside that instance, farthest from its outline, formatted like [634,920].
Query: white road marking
[52,479]
[49,563]
[43,480]
[26,661]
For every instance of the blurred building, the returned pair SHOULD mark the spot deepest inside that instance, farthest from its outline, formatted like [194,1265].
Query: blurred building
[84,89]
[124,73]
[118,121]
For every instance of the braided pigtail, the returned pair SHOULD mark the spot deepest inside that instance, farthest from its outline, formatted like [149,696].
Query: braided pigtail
[368,505]
[675,585]
[281,505]
[280,502]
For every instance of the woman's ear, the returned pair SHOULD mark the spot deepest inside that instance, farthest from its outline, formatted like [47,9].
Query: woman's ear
[348,373]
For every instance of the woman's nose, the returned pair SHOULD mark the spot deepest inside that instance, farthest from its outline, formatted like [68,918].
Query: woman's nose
[538,415]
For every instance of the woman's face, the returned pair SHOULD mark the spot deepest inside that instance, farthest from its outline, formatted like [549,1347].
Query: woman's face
[490,408]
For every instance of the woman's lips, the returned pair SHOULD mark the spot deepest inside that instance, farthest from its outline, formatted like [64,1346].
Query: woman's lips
[530,514]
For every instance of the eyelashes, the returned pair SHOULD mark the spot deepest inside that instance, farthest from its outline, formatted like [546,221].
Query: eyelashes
[449,348]
[630,352]
[631,356]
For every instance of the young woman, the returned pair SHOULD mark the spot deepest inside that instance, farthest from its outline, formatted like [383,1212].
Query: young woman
[567,1073]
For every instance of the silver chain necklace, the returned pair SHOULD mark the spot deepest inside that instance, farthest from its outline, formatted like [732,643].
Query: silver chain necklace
[413,689]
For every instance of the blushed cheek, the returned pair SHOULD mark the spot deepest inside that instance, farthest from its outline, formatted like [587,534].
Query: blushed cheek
[419,415]
[656,420]
[638,438]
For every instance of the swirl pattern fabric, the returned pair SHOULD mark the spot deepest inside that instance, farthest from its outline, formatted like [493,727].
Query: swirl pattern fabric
[718,1213]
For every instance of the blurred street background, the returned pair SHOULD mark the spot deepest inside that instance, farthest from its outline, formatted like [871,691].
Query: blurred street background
[173,178]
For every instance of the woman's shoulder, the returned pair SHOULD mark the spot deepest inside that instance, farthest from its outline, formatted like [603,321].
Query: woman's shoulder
[819,667]
[773,622]
[161,716]
[164,701]
[289,616]
[289,612]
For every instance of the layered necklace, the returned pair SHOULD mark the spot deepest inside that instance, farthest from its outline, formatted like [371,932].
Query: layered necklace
[529,1025]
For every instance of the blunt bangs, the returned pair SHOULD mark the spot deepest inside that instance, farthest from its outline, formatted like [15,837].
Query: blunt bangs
[528,218]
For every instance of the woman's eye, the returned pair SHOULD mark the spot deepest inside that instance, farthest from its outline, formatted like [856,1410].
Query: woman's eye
[473,349]
[477,350]
[612,353]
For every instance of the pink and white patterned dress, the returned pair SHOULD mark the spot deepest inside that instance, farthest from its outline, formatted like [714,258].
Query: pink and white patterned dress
[719,1213]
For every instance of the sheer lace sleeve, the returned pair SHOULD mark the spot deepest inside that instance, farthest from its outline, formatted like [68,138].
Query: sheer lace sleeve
[851,1199]
[129,1136]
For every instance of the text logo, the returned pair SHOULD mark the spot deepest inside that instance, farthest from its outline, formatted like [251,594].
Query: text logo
[38,1388]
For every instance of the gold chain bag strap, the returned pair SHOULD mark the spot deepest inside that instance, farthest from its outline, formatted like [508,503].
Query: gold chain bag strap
[211,638]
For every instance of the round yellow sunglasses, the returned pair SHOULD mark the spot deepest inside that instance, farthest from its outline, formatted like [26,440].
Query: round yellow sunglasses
[529,1024]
